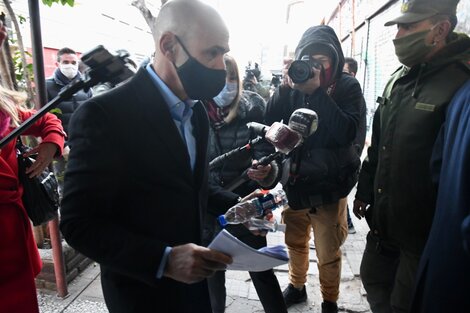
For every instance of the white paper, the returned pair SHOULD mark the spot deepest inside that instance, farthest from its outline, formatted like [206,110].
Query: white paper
[245,258]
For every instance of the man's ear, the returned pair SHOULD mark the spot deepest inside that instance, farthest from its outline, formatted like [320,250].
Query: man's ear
[167,46]
[442,30]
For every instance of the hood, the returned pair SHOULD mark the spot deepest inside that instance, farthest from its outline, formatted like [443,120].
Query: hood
[322,39]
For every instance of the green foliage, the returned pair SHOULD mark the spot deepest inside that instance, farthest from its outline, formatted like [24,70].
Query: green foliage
[63,2]
[56,111]
[18,65]
[21,19]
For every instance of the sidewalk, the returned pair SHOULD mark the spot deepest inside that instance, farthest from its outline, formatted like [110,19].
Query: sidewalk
[85,295]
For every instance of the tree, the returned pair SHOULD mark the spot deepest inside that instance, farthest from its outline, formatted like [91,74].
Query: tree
[149,17]
[25,70]
[63,2]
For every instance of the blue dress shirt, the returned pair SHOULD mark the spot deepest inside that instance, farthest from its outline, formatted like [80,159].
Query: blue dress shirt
[181,113]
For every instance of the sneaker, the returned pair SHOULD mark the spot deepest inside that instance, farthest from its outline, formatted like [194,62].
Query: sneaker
[293,295]
[351,229]
[329,307]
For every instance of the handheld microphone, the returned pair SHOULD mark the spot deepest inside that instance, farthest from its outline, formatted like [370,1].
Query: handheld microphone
[258,128]
[304,121]
[278,134]
[283,138]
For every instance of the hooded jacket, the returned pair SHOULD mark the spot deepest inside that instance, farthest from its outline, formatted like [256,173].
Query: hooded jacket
[327,163]
[395,177]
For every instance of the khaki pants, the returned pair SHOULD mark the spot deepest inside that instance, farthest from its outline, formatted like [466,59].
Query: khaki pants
[330,231]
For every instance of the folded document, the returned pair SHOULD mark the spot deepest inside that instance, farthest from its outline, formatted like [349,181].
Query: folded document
[245,258]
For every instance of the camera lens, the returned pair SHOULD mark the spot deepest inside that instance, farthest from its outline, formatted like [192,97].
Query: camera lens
[300,71]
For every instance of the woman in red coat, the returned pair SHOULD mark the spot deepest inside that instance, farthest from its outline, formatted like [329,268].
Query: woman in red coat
[19,257]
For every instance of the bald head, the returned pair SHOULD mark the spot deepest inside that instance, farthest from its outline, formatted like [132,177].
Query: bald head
[187,19]
[187,30]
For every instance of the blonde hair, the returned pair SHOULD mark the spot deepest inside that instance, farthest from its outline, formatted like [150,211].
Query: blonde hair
[11,102]
[232,68]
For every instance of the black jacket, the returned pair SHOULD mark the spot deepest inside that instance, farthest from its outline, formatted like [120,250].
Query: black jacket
[130,192]
[234,134]
[54,85]
[329,159]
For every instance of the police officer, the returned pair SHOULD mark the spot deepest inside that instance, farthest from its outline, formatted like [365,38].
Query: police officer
[395,192]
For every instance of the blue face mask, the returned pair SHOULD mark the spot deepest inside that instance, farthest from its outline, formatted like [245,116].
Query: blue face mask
[227,95]
[199,82]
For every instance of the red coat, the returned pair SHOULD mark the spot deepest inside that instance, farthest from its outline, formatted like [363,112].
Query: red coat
[19,257]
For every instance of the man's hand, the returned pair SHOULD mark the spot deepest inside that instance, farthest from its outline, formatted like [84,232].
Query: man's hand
[360,208]
[285,67]
[258,172]
[191,263]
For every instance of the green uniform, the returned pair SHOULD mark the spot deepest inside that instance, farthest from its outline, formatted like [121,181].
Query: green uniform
[395,178]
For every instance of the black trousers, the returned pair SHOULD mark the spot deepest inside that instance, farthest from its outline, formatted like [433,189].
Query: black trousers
[266,283]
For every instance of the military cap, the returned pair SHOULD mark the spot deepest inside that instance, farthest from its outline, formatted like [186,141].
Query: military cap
[413,11]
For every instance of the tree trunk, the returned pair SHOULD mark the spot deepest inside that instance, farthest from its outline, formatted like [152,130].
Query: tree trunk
[148,16]
[29,89]
[7,62]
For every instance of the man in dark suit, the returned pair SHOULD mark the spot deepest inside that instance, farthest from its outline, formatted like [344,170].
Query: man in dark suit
[136,184]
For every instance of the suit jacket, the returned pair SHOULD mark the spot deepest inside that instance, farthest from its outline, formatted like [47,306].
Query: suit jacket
[130,192]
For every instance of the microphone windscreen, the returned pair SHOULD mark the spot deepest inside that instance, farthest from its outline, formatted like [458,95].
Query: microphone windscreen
[282,137]
[304,121]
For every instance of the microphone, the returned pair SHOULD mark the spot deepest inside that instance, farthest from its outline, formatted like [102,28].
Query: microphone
[285,138]
[304,121]
[258,128]
[281,136]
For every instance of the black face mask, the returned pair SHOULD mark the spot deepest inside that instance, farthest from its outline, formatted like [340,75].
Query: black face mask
[199,82]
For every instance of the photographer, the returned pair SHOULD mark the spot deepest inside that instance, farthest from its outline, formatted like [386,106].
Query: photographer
[252,81]
[324,169]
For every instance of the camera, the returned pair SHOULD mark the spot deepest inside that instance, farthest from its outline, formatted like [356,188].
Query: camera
[252,76]
[276,80]
[301,70]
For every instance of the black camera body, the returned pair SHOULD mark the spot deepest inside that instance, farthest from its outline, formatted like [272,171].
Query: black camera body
[301,70]
[276,80]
